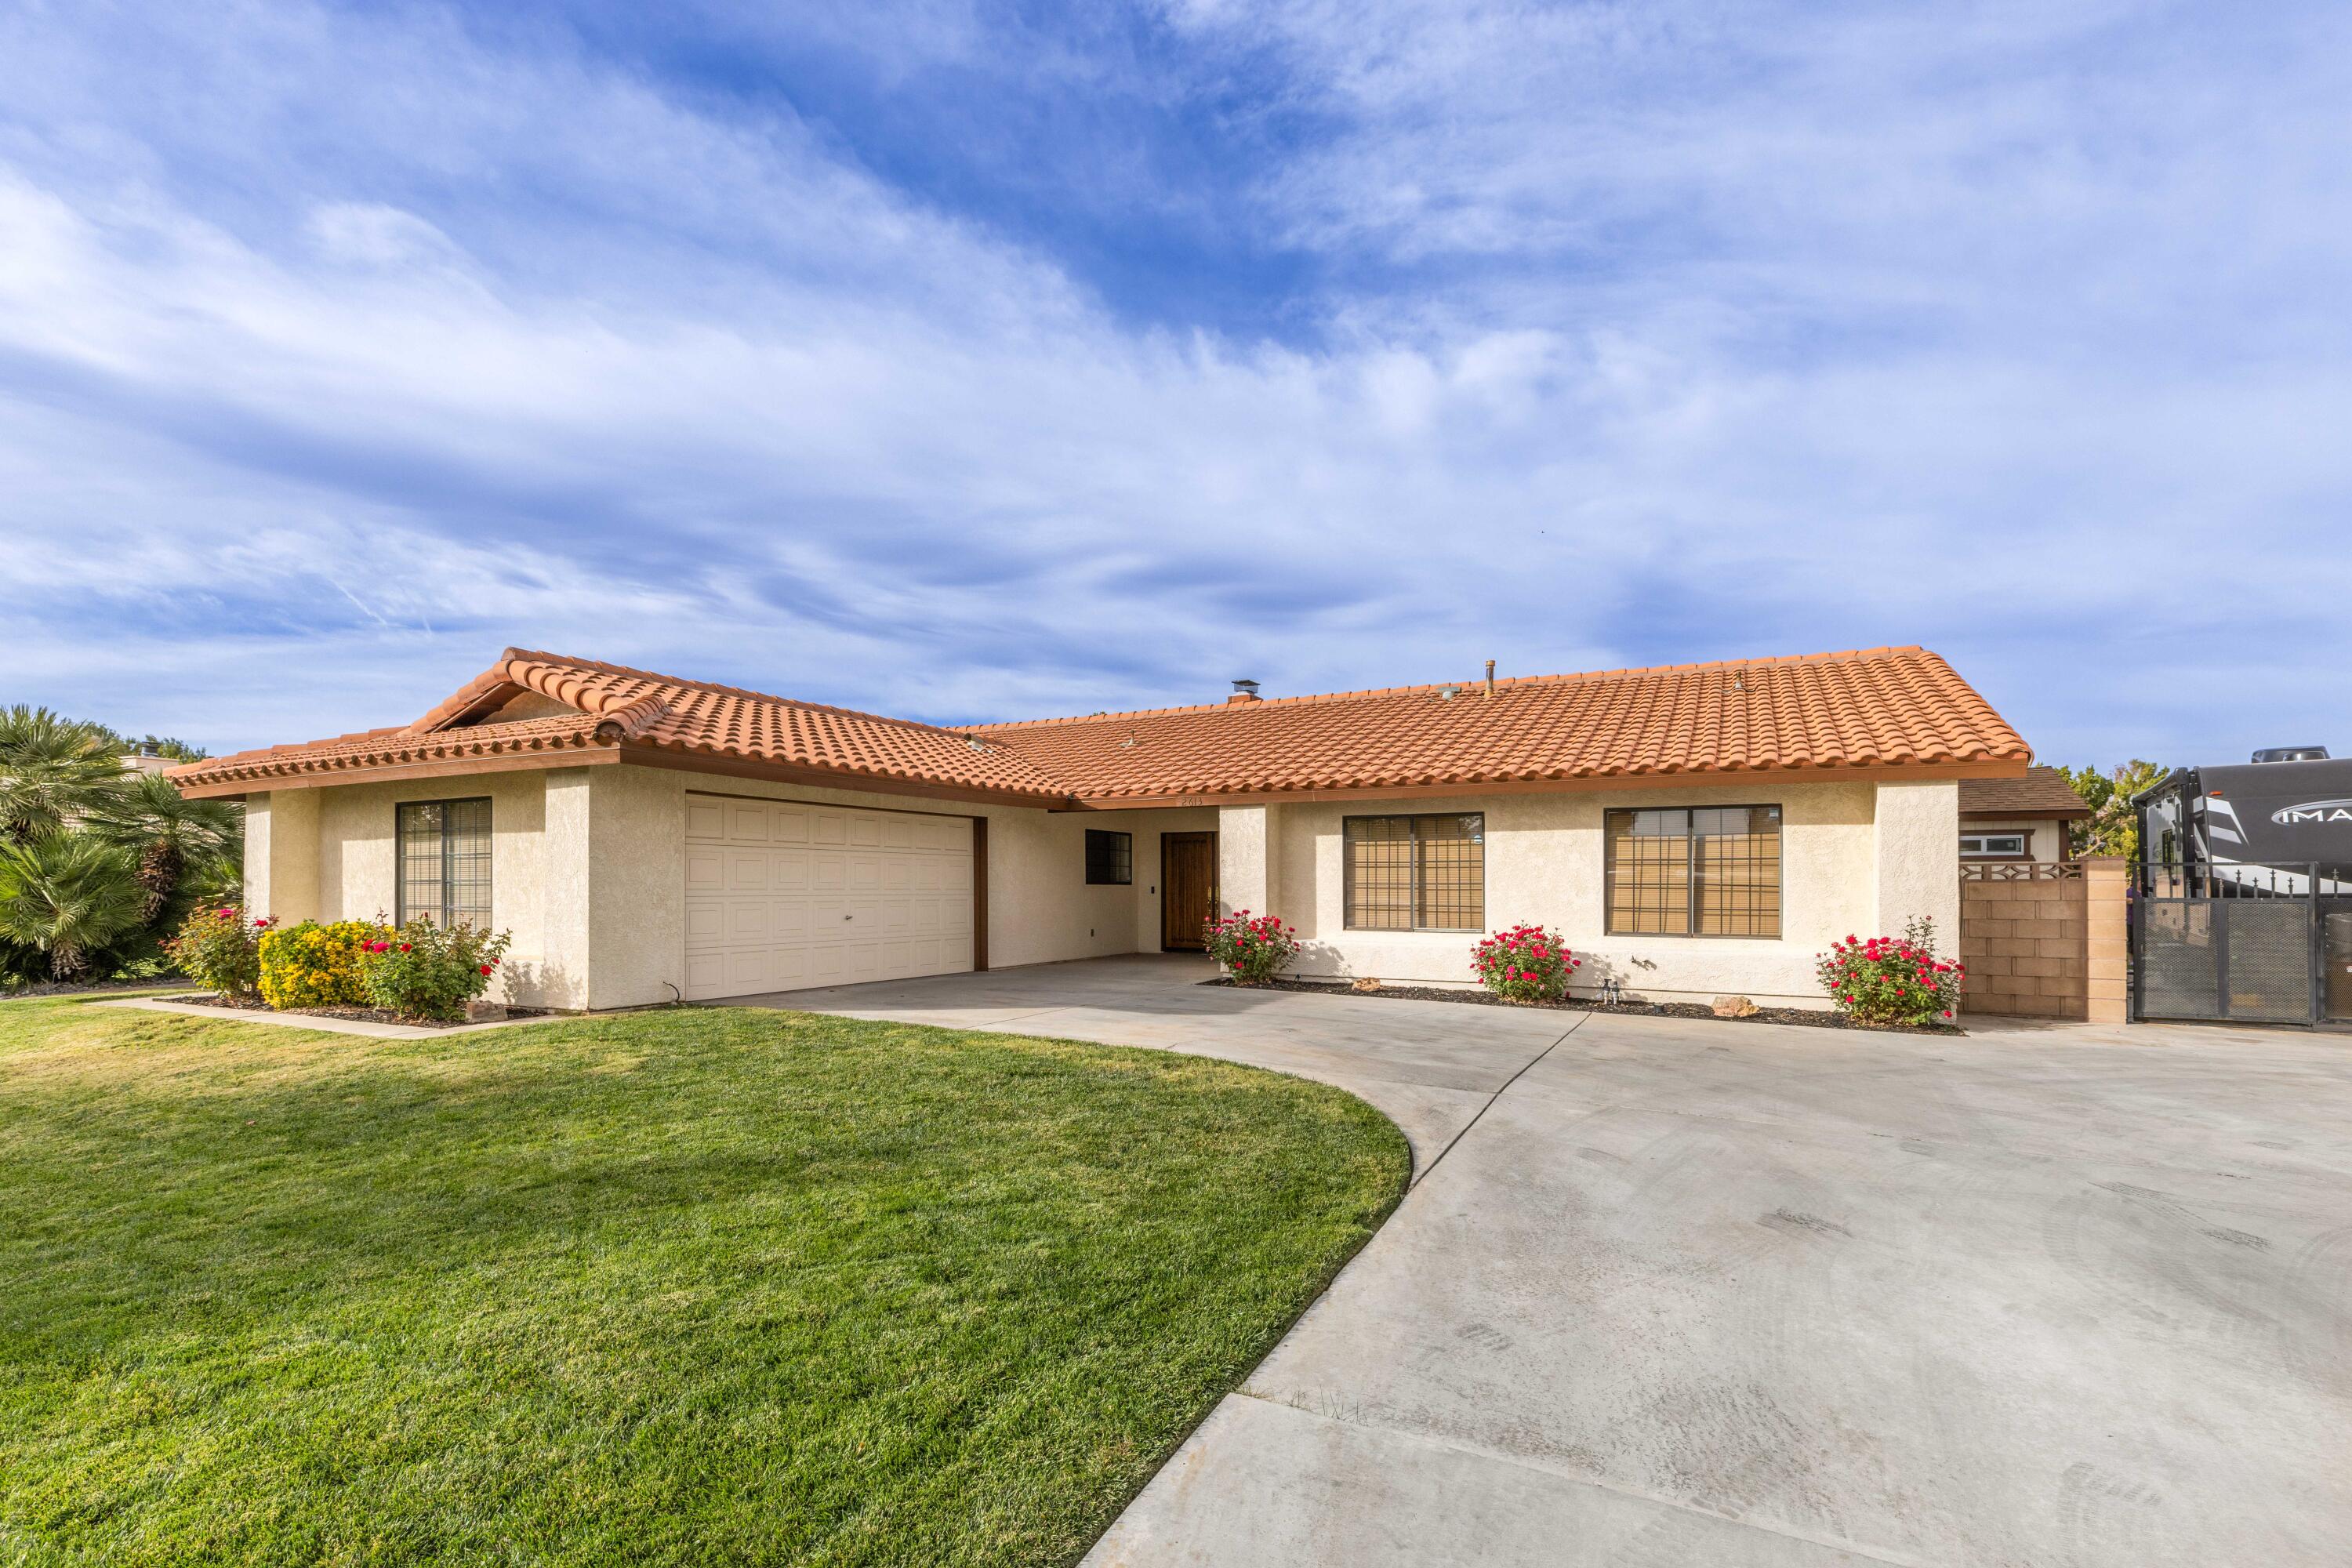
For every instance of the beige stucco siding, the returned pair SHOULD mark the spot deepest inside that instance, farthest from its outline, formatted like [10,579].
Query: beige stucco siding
[632,874]
[1544,863]
[588,873]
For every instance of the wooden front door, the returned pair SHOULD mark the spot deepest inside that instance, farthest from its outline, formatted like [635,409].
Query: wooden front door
[1188,890]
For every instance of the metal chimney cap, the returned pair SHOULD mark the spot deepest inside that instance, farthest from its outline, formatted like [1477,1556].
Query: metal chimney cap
[1249,686]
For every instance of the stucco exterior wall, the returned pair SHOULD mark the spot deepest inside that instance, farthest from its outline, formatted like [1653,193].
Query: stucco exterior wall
[282,854]
[1040,907]
[588,872]
[1544,862]
[1918,856]
[352,839]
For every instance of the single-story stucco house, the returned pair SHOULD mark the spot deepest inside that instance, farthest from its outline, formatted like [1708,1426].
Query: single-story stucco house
[1693,829]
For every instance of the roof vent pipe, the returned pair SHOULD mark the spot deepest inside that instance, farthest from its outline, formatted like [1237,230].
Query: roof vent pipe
[1490,677]
[1244,692]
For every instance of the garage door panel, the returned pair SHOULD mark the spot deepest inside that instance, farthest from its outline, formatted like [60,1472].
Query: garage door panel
[783,896]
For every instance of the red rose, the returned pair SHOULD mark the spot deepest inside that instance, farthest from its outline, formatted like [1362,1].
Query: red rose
[406,948]
[485,969]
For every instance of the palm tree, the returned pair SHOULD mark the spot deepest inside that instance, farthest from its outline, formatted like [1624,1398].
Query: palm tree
[170,834]
[68,895]
[52,770]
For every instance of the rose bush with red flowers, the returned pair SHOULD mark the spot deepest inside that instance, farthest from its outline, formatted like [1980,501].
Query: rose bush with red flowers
[1526,964]
[1253,947]
[423,970]
[219,949]
[1894,980]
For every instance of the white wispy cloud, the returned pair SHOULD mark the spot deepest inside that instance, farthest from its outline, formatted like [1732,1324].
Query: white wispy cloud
[337,350]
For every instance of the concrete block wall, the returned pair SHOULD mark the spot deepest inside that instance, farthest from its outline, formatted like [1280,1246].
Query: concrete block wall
[2051,944]
[2107,942]
[2024,942]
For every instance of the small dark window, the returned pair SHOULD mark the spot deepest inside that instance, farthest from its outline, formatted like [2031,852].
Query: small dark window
[1415,873]
[445,861]
[1110,858]
[1710,872]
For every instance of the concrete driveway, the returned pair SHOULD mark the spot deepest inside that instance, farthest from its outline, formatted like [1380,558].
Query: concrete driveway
[1698,1293]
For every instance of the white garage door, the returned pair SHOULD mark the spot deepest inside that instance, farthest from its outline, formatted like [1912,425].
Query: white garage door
[781,896]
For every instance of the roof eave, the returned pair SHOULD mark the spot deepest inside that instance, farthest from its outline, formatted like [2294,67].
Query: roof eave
[1654,779]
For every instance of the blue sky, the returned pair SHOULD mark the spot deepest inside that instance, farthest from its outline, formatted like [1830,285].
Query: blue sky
[972,361]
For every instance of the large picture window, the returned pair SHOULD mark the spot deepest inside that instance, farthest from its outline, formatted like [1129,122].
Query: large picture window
[1415,873]
[445,861]
[1110,858]
[1704,872]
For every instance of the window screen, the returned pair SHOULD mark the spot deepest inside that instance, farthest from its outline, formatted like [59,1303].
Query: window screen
[1110,858]
[1416,873]
[1708,872]
[445,861]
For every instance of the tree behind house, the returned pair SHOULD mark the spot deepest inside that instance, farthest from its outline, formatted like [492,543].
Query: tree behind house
[2113,826]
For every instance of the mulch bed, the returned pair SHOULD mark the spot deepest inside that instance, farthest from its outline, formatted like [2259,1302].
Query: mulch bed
[360,1015]
[1810,1017]
[54,989]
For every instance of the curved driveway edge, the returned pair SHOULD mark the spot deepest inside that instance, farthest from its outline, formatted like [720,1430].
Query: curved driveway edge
[1690,1292]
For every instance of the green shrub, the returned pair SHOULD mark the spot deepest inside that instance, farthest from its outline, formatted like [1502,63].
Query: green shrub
[1894,980]
[422,971]
[219,949]
[314,965]
[1526,963]
[1253,949]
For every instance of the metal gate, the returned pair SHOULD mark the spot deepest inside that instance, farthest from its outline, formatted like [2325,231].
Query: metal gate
[2255,944]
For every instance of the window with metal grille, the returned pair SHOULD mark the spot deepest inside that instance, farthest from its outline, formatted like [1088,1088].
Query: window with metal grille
[445,861]
[1704,872]
[1415,873]
[1110,858]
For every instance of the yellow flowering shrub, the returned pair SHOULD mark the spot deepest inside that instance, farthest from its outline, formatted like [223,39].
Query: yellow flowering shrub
[314,965]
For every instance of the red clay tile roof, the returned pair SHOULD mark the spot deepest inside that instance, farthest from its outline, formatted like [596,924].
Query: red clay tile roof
[1882,707]
[2037,791]
[1885,706]
[634,706]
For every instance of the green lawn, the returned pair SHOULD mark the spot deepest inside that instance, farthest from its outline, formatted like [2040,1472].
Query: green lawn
[686,1286]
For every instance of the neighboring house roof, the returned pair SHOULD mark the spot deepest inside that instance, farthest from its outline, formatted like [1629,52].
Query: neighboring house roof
[1900,707]
[2036,792]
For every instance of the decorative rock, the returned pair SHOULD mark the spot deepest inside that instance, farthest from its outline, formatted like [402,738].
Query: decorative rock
[482,1010]
[1365,983]
[1735,1007]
